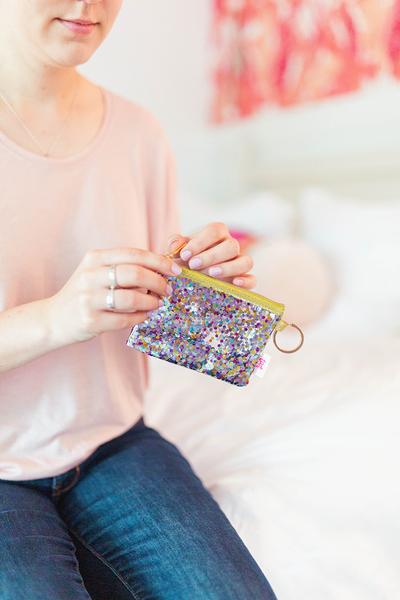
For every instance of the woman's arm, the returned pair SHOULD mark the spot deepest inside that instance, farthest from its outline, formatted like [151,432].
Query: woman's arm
[78,312]
[25,334]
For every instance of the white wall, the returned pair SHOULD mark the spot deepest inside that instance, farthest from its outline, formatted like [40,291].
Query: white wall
[158,54]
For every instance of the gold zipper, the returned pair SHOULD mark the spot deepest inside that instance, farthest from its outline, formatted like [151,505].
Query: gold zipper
[232,290]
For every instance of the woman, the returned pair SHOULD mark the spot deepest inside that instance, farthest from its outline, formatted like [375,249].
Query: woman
[87,204]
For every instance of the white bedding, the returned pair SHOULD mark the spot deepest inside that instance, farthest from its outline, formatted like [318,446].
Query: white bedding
[305,463]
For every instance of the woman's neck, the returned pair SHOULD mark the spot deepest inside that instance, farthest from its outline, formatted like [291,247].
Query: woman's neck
[46,98]
[26,80]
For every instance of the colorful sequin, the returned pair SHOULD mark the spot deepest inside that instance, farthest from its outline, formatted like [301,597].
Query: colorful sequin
[206,330]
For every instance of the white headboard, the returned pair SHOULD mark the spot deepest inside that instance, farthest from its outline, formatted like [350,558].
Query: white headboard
[349,144]
[364,176]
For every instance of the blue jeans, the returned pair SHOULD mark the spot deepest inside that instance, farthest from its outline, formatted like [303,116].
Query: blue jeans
[132,521]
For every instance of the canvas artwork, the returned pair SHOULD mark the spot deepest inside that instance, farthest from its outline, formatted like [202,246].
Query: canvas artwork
[285,52]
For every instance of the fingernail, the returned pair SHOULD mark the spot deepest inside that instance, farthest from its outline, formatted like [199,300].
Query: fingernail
[186,255]
[160,303]
[176,269]
[169,290]
[238,282]
[173,242]
[215,271]
[195,263]
[149,313]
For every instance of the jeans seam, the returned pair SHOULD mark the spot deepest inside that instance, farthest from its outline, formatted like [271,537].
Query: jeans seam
[103,560]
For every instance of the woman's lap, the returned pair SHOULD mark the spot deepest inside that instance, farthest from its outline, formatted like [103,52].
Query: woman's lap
[37,558]
[138,507]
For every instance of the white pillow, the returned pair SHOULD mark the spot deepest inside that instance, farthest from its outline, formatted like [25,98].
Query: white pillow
[361,240]
[259,214]
[292,272]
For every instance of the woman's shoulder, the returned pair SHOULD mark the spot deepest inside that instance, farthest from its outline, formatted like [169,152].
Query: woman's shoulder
[131,117]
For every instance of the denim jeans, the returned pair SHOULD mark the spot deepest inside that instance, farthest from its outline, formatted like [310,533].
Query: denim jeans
[132,521]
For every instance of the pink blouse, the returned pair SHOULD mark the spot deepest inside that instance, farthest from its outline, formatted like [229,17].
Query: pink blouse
[119,191]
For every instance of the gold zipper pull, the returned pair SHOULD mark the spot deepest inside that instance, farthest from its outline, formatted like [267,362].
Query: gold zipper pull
[171,256]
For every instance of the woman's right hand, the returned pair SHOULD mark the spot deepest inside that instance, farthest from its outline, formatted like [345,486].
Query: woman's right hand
[78,312]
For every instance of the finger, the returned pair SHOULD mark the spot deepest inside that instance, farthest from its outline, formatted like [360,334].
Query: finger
[175,241]
[124,300]
[198,242]
[245,281]
[238,266]
[131,276]
[129,256]
[221,253]
[112,321]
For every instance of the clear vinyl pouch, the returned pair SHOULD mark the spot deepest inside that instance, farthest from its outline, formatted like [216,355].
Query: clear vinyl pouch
[212,327]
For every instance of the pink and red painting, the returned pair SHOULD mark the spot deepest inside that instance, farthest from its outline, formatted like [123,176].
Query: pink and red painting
[286,52]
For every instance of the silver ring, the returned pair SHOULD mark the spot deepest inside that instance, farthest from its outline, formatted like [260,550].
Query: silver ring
[113,277]
[110,299]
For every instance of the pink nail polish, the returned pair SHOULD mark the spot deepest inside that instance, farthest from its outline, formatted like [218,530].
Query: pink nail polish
[238,282]
[195,263]
[169,290]
[160,303]
[176,269]
[215,271]
[149,313]
[185,255]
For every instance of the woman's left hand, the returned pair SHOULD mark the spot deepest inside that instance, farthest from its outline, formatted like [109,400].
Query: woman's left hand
[213,251]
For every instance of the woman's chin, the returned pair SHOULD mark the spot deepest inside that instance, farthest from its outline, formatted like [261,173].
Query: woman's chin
[72,57]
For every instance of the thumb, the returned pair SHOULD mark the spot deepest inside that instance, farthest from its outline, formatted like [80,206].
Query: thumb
[176,241]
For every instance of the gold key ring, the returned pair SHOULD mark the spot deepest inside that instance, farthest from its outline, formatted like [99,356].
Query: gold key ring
[297,347]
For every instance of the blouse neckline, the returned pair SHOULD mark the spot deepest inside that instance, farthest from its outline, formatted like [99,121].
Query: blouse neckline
[74,158]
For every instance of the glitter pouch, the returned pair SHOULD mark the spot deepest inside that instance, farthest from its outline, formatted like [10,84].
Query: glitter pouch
[212,327]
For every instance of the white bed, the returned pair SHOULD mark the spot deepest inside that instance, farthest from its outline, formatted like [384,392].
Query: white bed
[306,462]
